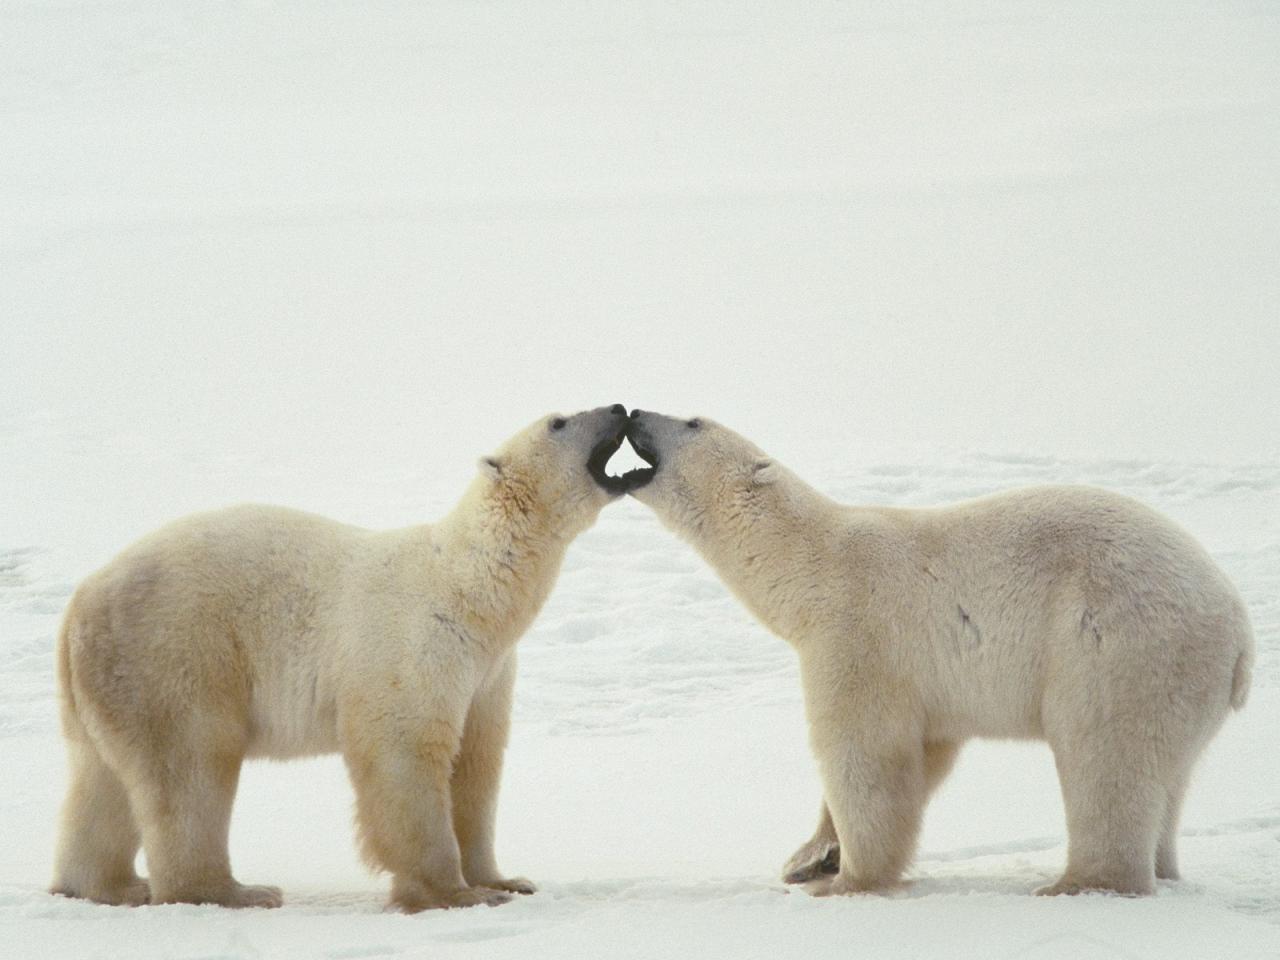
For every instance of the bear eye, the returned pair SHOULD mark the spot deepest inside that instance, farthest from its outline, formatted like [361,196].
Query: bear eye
[558,423]
[694,424]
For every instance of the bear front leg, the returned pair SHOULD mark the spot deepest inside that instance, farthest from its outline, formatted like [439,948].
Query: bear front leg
[821,853]
[400,766]
[875,793]
[476,777]
[871,761]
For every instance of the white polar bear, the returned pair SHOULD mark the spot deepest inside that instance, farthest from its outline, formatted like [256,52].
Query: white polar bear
[1070,615]
[260,631]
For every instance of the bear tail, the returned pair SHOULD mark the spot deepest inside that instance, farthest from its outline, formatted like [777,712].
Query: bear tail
[1240,678]
[71,724]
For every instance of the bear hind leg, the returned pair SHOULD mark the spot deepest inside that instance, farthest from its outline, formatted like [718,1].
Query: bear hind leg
[99,840]
[1167,846]
[1114,804]
[184,807]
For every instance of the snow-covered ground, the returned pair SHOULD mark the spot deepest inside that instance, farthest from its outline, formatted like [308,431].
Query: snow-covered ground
[328,254]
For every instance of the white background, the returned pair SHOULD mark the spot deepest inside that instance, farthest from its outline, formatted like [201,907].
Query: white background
[328,254]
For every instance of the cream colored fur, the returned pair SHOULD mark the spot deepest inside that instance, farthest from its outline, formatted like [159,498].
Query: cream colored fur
[260,631]
[1063,614]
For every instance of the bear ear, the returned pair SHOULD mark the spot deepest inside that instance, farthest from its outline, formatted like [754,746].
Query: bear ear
[491,467]
[765,471]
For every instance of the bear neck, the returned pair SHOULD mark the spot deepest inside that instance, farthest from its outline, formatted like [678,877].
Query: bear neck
[507,555]
[770,547]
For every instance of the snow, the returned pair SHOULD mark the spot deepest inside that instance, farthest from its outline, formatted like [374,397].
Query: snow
[327,255]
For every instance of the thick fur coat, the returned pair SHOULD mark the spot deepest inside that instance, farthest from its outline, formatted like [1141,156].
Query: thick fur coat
[260,631]
[1064,614]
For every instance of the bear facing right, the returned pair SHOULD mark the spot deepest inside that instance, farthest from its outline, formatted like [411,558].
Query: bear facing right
[258,631]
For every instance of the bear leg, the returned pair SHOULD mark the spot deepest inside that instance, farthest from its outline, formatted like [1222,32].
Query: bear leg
[817,856]
[1167,846]
[401,776]
[184,804]
[876,795]
[1114,804]
[820,855]
[99,838]
[474,785]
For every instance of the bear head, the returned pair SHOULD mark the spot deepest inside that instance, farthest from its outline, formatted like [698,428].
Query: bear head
[554,469]
[700,471]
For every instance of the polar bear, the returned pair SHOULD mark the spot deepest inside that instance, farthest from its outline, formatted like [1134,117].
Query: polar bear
[1063,614]
[264,632]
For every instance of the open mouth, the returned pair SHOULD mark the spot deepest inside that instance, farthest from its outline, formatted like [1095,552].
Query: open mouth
[598,463]
[638,477]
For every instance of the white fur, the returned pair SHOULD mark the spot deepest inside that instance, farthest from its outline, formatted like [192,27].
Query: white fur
[1070,615]
[260,631]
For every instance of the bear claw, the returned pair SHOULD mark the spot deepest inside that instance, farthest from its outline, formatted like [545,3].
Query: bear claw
[811,861]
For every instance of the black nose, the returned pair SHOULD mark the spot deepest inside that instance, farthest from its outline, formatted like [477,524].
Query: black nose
[635,414]
[618,409]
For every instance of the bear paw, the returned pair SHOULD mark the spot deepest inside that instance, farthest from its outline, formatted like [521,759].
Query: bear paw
[842,885]
[420,898]
[519,885]
[234,895]
[815,859]
[1069,887]
[129,893]
[249,895]
[133,894]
